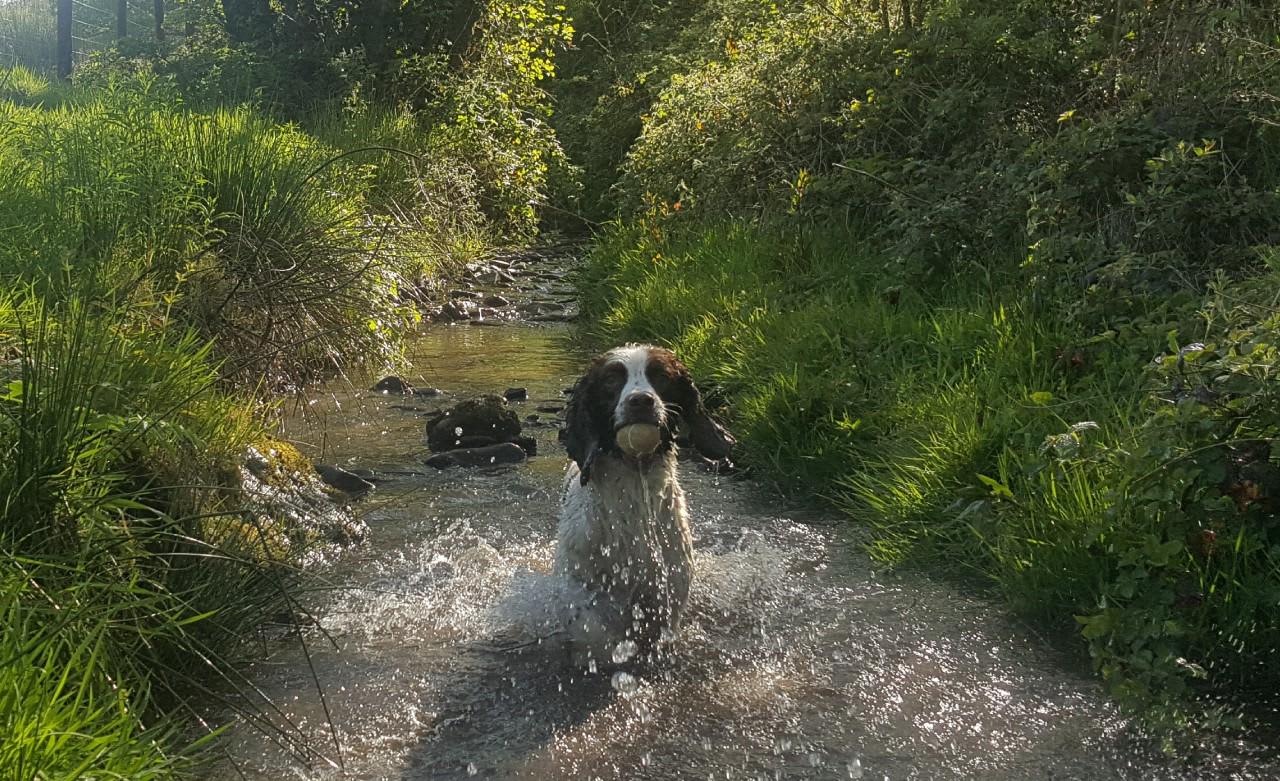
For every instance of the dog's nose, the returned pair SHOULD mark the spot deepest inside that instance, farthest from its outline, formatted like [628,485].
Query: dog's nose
[640,401]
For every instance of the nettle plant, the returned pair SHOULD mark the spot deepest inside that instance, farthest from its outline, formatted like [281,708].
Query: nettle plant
[1193,592]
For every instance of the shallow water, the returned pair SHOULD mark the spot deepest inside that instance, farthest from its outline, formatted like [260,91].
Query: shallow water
[799,659]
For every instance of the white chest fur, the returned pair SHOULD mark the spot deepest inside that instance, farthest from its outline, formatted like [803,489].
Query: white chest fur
[624,538]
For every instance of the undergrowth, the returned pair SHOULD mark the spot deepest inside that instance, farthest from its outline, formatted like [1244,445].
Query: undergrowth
[991,278]
[1115,484]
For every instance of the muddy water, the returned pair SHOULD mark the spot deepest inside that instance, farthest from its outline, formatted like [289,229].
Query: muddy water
[799,660]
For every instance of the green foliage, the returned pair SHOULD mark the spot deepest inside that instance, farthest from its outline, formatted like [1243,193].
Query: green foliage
[1053,131]
[492,116]
[974,430]
[1194,518]
[238,227]
[117,452]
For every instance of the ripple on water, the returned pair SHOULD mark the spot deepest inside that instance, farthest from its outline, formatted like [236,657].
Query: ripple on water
[798,660]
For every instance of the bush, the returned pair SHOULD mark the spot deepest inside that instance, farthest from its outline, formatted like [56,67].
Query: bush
[974,431]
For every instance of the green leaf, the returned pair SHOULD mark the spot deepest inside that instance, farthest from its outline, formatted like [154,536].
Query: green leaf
[997,488]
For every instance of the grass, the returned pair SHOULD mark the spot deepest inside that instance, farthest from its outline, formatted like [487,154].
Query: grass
[118,457]
[162,268]
[247,231]
[974,433]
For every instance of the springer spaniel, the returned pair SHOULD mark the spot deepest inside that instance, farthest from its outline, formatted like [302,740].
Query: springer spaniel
[625,548]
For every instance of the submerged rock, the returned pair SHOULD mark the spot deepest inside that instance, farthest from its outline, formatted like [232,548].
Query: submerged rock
[491,455]
[515,394]
[487,416]
[347,482]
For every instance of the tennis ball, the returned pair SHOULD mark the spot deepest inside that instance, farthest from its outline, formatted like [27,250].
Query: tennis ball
[639,439]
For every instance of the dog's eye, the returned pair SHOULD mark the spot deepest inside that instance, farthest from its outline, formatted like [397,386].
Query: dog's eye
[615,374]
[660,375]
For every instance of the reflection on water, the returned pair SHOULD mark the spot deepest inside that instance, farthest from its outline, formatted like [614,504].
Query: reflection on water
[799,661]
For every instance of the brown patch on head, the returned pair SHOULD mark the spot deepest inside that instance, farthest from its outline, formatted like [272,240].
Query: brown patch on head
[673,382]
[589,417]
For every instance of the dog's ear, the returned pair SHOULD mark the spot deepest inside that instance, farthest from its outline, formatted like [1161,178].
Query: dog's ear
[709,437]
[580,436]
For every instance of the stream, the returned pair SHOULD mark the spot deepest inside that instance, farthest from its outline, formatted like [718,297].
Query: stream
[800,659]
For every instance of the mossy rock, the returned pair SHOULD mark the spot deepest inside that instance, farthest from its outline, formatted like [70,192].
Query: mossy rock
[475,422]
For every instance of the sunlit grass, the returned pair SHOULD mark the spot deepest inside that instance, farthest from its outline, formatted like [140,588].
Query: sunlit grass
[964,425]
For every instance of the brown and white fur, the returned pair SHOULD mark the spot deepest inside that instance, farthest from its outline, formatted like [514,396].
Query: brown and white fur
[625,546]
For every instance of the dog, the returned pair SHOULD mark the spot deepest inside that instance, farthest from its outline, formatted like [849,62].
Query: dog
[625,548]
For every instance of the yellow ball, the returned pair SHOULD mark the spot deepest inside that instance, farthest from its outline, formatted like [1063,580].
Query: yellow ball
[639,439]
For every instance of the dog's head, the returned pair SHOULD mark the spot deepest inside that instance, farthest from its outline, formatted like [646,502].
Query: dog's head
[637,384]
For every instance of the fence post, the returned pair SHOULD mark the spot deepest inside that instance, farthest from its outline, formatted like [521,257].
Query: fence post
[122,18]
[64,38]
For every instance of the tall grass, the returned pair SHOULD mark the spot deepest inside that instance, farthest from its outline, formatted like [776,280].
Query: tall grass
[28,34]
[972,432]
[247,231]
[118,458]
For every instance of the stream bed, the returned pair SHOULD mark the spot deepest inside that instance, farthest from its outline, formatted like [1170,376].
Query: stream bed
[799,660]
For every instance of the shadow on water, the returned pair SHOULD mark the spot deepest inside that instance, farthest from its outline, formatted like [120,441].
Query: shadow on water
[503,711]
[799,660]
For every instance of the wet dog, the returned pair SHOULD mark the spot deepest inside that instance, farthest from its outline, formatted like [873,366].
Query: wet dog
[625,548]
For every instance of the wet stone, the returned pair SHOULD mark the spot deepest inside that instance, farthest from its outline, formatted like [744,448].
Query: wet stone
[492,455]
[496,300]
[460,309]
[343,480]
[555,317]
[552,409]
[391,385]
[516,394]
[476,440]
[428,392]
[528,444]
[487,416]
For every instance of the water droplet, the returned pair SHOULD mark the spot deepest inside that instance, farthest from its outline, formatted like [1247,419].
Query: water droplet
[854,767]
[472,769]
[625,683]
[642,712]
[457,431]
[591,666]
[624,651]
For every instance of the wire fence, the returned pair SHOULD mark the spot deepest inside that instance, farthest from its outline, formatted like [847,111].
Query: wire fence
[29,28]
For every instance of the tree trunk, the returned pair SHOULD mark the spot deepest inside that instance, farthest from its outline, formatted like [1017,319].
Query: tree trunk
[884,14]
[122,18]
[159,14]
[906,14]
[64,38]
